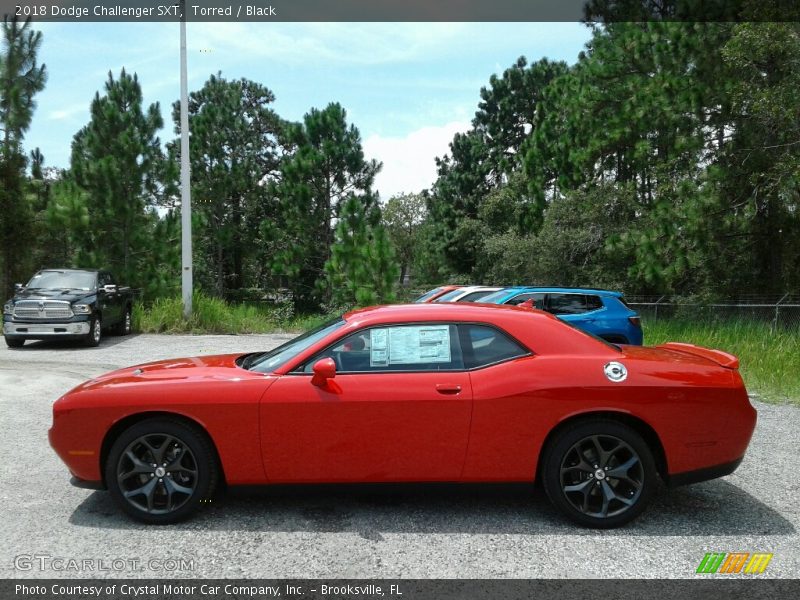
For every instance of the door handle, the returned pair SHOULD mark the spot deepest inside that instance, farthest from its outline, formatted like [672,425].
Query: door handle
[448,388]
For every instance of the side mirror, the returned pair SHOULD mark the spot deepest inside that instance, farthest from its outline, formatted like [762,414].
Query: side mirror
[18,287]
[324,369]
[110,288]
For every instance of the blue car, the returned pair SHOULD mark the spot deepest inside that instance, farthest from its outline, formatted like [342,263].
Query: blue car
[600,312]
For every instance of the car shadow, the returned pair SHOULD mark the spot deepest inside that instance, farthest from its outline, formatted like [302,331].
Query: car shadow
[108,341]
[711,508]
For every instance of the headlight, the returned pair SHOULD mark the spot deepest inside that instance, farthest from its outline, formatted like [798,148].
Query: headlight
[81,309]
[8,308]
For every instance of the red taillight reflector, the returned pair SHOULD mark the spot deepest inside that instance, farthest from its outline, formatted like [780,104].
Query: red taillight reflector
[635,321]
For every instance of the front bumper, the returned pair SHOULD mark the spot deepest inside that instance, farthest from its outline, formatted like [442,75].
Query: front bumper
[32,331]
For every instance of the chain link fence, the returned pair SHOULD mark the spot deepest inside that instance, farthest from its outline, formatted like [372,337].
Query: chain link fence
[781,311]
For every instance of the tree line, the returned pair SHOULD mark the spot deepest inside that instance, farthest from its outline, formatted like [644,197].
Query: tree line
[666,159]
[276,204]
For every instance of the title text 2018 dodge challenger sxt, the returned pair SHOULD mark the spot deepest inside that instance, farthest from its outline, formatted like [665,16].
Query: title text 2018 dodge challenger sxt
[422,392]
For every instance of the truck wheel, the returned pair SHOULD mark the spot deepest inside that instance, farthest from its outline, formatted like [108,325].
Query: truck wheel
[95,333]
[15,342]
[124,326]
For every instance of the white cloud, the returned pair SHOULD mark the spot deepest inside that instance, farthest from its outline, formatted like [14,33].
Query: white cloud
[326,43]
[409,164]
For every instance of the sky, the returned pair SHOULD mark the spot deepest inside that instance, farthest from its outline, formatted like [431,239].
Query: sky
[408,87]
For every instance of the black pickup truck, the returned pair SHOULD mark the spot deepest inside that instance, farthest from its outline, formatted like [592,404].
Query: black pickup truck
[67,303]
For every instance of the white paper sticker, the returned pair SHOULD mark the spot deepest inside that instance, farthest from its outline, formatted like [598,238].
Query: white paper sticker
[419,344]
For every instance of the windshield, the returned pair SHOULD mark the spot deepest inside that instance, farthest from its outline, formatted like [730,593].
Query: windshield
[70,280]
[449,295]
[266,362]
[427,295]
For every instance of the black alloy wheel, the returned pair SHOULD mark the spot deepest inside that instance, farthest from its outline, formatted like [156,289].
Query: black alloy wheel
[600,473]
[161,470]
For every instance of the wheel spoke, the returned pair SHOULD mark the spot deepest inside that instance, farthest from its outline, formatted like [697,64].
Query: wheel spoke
[175,488]
[603,455]
[621,471]
[582,487]
[176,466]
[158,452]
[147,490]
[608,496]
[139,466]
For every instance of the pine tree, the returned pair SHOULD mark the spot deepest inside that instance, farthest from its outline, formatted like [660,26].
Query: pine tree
[362,269]
[21,78]
[327,168]
[235,150]
[116,159]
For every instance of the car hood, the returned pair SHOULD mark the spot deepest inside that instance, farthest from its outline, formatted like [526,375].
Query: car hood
[46,294]
[217,367]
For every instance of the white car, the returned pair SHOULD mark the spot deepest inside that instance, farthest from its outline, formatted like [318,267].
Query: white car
[470,293]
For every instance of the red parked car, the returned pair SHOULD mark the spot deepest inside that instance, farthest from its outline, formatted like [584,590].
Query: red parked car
[419,392]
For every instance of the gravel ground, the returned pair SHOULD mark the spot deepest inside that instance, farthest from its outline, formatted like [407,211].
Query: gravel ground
[393,531]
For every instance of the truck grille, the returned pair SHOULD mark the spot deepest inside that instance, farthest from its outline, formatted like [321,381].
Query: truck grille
[38,309]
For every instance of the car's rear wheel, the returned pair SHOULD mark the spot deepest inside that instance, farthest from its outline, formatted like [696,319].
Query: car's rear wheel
[161,470]
[15,342]
[600,473]
[124,326]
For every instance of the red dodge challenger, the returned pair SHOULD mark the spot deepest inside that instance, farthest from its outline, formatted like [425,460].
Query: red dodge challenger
[419,392]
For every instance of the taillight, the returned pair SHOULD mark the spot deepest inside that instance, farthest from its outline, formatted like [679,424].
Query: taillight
[635,321]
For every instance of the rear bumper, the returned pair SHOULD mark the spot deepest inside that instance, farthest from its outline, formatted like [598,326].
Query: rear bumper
[703,474]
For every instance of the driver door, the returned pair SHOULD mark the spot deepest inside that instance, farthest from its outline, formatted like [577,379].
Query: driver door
[398,409]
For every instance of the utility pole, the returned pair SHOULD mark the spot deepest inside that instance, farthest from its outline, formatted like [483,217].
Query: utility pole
[186,198]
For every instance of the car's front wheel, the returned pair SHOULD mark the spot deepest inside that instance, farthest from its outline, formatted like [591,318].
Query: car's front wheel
[161,470]
[600,473]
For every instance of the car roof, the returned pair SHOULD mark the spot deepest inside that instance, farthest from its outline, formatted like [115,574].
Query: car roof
[565,290]
[57,270]
[442,311]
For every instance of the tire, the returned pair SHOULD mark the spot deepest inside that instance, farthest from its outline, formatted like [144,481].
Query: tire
[124,325]
[15,342]
[577,473]
[184,481]
[95,334]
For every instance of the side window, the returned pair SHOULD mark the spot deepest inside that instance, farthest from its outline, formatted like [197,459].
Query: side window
[422,347]
[103,279]
[538,299]
[566,304]
[485,345]
[593,303]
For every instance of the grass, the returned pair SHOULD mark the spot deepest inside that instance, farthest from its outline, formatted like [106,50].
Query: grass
[769,359]
[212,315]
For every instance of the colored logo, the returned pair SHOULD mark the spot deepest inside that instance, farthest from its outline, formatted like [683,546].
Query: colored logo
[734,562]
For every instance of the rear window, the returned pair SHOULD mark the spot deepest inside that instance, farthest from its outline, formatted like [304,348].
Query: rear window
[593,303]
[484,345]
[566,304]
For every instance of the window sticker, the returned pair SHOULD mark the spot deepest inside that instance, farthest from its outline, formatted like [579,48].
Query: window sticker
[378,348]
[419,344]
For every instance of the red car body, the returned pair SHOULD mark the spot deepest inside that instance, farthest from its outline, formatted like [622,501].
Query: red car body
[481,425]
